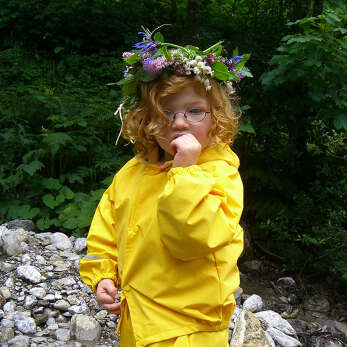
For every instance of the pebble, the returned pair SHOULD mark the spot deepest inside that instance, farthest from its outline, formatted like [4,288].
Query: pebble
[43,305]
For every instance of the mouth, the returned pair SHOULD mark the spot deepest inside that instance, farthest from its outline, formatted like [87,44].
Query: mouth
[176,136]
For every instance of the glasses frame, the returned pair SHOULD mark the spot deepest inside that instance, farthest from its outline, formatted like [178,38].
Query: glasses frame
[173,117]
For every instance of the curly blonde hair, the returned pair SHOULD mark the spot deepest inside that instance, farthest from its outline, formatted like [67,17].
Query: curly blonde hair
[146,118]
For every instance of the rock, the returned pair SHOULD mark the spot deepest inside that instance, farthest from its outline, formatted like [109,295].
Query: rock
[80,244]
[85,328]
[25,224]
[318,303]
[62,334]
[13,241]
[252,265]
[38,292]
[62,305]
[24,324]
[5,293]
[60,241]
[30,273]
[248,332]
[286,282]
[283,339]
[6,333]
[275,320]
[270,339]
[237,295]
[254,303]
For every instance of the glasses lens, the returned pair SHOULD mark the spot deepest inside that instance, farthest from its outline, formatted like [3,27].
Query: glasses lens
[195,115]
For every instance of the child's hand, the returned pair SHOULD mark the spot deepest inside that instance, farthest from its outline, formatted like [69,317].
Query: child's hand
[187,150]
[107,294]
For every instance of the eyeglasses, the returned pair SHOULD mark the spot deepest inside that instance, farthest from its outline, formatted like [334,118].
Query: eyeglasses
[194,115]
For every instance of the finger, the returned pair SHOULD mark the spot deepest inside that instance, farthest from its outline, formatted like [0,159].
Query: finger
[105,299]
[111,289]
[114,308]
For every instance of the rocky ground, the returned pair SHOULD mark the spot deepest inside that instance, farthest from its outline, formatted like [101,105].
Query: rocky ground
[44,303]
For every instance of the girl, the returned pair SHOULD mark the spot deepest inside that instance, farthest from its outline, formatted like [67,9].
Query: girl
[167,229]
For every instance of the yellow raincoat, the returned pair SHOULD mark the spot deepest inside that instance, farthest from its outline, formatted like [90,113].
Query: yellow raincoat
[170,238]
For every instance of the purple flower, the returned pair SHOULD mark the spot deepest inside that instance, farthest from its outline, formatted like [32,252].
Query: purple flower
[127,69]
[127,54]
[210,58]
[240,75]
[155,66]
[147,44]
[232,62]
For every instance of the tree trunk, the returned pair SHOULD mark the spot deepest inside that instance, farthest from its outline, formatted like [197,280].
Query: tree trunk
[193,21]
[173,11]
[317,8]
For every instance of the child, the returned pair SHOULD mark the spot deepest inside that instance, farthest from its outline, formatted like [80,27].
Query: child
[167,230]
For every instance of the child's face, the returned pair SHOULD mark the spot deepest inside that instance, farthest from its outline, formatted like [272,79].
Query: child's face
[186,99]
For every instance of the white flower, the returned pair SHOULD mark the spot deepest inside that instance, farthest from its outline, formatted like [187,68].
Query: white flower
[206,82]
[229,88]
[207,70]
[188,72]
[201,64]
[196,70]
[198,58]
[208,88]
[192,63]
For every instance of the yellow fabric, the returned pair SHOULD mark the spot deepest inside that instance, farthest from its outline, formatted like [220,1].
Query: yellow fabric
[200,339]
[170,238]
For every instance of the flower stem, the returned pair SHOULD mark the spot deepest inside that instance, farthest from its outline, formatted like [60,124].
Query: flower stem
[212,47]
[173,46]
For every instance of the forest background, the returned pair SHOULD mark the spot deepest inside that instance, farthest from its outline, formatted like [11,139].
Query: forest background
[57,129]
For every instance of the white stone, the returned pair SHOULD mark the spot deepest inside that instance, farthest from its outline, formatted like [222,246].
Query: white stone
[25,324]
[85,328]
[7,323]
[60,241]
[62,334]
[9,282]
[254,303]
[30,273]
[13,241]
[10,306]
[26,258]
[78,309]
[275,320]
[30,301]
[270,339]
[40,260]
[5,293]
[19,340]
[80,244]
[49,297]
[38,292]
[62,305]
[283,339]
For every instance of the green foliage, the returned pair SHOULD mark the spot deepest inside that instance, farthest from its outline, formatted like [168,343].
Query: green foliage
[315,59]
[57,135]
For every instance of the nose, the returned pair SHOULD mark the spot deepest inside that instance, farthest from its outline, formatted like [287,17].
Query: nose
[179,122]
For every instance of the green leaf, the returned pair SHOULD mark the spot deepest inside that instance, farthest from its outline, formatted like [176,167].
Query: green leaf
[235,52]
[51,183]
[340,122]
[132,59]
[242,63]
[67,192]
[167,54]
[220,71]
[33,167]
[142,76]
[49,201]
[57,50]
[56,140]
[247,128]
[44,223]
[158,37]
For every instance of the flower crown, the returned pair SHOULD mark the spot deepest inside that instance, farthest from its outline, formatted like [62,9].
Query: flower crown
[152,56]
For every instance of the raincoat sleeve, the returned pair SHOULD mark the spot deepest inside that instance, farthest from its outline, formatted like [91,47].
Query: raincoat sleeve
[199,209]
[101,260]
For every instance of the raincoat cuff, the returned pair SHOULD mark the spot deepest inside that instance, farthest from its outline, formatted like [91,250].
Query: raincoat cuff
[193,170]
[92,272]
